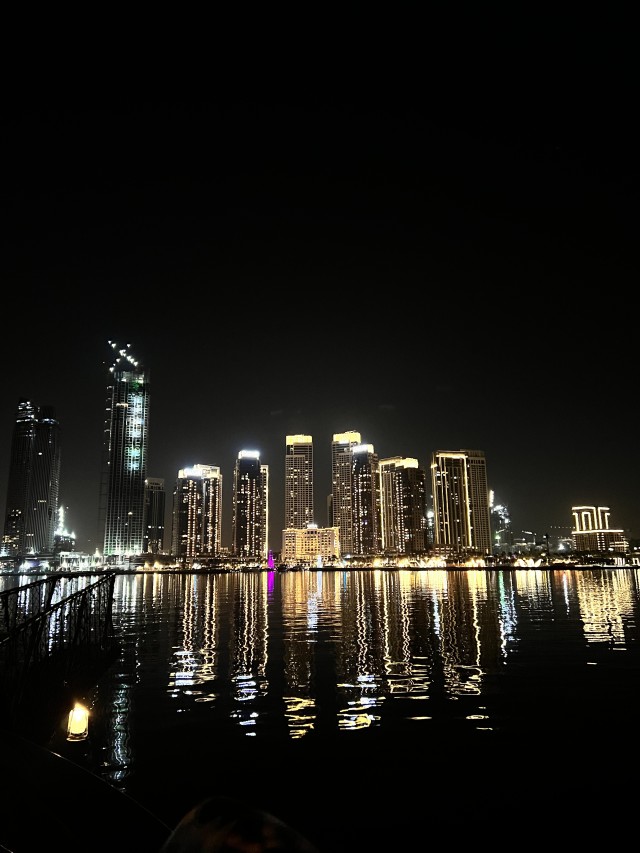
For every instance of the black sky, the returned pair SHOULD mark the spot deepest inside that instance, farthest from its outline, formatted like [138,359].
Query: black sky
[436,273]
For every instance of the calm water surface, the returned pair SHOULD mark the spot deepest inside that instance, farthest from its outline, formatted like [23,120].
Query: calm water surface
[274,682]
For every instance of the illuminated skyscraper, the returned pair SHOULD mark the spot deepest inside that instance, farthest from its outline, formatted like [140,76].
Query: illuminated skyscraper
[462,522]
[341,503]
[197,513]
[124,458]
[154,506]
[63,539]
[501,533]
[250,519]
[365,502]
[264,477]
[403,506]
[298,482]
[34,482]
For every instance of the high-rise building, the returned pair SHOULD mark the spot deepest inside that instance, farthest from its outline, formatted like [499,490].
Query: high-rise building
[298,482]
[154,508]
[264,476]
[462,522]
[365,502]
[341,501]
[501,533]
[196,529]
[250,519]
[403,506]
[63,539]
[34,482]
[124,457]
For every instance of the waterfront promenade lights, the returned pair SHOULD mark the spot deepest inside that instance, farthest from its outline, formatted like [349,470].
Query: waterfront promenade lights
[78,725]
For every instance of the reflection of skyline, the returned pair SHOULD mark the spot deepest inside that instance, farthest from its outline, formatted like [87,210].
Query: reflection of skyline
[291,653]
[300,615]
[607,605]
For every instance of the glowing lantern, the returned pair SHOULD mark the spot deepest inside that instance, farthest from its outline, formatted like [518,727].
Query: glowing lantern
[78,726]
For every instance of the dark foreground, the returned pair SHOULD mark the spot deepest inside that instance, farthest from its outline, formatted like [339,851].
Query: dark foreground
[360,791]
[343,792]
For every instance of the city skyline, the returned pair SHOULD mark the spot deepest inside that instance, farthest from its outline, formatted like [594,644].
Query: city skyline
[433,282]
[341,443]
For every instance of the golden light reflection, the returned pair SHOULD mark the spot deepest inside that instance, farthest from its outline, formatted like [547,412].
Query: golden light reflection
[300,713]
[388,644]
[356,718]
[606,606]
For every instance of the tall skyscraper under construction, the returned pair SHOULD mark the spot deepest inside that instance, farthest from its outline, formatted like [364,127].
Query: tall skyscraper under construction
[461,502]
[34,482]
[121,513]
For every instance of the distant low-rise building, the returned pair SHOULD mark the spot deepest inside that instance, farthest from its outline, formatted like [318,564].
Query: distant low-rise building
[312,546]
[592,533]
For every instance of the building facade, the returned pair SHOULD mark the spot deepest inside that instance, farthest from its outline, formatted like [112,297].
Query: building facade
[33,487]
[341,501]
[403,507]
[298,482]
[313,547]
[264,478]
[591,531]
[196,529]
[124,458]
[250,514]
[154,509]
[462,521]
[365,502]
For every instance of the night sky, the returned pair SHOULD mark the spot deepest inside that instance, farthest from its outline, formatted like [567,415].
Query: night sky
[434,275]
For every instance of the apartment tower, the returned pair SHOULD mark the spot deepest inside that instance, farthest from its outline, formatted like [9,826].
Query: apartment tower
[403,507]
[461,502]
[341,501]
[196,529]
[365,501]
[124,458]
[298,482]
[33,486]
[250,519]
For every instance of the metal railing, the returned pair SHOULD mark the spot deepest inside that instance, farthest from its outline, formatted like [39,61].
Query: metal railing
[52,631]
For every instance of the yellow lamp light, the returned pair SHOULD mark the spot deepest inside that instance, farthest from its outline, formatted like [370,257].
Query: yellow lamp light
[78,725]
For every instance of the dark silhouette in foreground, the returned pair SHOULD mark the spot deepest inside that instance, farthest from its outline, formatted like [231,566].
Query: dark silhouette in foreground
[225,825]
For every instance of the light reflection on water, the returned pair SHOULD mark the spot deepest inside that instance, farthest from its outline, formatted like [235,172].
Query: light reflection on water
[277,656]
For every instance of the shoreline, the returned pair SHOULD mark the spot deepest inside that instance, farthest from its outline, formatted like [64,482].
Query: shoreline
[201,570]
